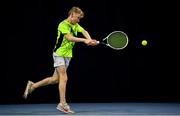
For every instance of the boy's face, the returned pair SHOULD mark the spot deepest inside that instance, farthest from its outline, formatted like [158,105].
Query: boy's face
[75,18]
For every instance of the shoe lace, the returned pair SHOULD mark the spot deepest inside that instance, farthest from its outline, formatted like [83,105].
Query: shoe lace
[66,106]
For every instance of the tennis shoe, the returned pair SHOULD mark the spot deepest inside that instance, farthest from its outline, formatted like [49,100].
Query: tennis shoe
[28,89]
[65,108]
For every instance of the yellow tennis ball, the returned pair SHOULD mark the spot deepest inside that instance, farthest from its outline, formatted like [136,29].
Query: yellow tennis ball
[144,42]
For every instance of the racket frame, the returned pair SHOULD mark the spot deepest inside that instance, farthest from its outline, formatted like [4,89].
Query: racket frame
[107,44]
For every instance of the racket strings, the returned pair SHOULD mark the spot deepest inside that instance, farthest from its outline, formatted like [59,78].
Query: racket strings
[117,40]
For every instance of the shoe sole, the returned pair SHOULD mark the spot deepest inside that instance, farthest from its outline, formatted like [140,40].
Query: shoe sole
[64,111]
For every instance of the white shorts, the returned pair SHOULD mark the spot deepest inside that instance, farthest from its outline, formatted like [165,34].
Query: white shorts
[59,61]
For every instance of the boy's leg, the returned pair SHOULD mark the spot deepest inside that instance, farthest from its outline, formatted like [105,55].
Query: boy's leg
[49,80]
[62,83]
[31,86]
[63,106]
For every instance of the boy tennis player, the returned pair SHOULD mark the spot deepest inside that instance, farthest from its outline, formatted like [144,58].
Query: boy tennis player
[66,38]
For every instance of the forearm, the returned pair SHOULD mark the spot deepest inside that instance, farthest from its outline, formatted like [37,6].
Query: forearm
[74,39]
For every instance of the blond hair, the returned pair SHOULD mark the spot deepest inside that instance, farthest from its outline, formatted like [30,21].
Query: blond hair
[76,9]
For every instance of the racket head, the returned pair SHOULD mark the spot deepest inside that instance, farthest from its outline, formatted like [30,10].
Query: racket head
[117,40]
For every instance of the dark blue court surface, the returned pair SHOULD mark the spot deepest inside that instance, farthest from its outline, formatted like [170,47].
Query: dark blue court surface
[94,109]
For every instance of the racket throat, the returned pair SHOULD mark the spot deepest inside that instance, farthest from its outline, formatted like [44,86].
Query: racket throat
[98,42]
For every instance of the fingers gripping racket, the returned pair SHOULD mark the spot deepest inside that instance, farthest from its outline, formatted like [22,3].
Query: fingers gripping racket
[116,40]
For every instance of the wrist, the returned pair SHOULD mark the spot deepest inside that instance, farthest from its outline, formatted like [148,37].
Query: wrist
[82,40]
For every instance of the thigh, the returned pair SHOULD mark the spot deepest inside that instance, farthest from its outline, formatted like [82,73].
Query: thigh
[55,74]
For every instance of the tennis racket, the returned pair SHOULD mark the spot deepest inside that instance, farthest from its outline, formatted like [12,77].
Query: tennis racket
[116,40]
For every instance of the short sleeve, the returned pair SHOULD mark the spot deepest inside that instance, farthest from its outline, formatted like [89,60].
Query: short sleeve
[79,28]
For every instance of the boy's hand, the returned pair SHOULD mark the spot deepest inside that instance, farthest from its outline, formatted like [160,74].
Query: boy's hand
[93,42]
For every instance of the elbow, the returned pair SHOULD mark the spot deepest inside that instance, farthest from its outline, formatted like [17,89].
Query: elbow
[68,37]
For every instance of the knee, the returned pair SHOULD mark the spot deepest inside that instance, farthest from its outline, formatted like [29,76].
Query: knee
[64,79]
[54,80]
[63,74]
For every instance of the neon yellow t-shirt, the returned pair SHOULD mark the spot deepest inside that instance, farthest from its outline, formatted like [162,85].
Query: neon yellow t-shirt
[66,46]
